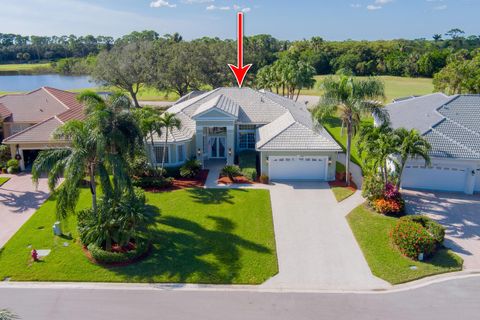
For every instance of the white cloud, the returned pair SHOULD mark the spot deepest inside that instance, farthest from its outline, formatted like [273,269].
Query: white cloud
[214,7]
[162,3]
[381,2]
[246,10]
[196,1]
[355,5]
[373,7]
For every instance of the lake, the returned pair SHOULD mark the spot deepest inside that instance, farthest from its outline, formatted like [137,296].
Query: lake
[14,83]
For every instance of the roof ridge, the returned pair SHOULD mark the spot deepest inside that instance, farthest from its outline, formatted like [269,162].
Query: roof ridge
[280,132]
[189,102]
[29,128]
[455,142]
[46,89]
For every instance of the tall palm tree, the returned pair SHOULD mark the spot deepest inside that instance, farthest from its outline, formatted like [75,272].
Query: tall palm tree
[351,99]
[80,158]
[149,123]
[168,121]
[412,145]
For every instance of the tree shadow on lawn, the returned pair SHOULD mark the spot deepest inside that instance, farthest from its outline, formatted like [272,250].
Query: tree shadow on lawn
[445,259]
[212,196]
[185,251]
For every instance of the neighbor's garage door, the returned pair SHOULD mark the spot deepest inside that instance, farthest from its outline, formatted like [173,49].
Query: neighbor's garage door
[297,168]
[434,178]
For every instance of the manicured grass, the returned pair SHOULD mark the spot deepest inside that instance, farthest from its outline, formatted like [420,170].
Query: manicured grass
[342,193]
[372,233]
[24,67]
[395,87]
[198,236]
[3,180]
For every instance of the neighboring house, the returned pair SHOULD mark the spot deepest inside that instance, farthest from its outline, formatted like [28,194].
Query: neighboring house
[223,122]
[451,124]
[30,119]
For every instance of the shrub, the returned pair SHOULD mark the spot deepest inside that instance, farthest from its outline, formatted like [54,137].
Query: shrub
[372,187]
[436,230]
[247,161]
[231,171]
[109,257]
[264,179]
[153,182]
[412,239]
[391,192]
[388,206]
[191,168]
[250,174]
[13,166]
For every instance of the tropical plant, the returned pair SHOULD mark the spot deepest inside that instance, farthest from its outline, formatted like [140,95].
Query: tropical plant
[411,145]
[169,122]
[412,239]
[191,168]
[149,122]
[351,99]
[7,315]
[231,171]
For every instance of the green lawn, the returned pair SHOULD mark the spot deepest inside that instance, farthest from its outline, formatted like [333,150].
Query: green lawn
[371,231]
[395,87]
[341,193]
[3,180]
[198,236]
[24,67]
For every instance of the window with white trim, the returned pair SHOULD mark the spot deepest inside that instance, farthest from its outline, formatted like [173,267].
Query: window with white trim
[158,151]
[247,140]
[181,153]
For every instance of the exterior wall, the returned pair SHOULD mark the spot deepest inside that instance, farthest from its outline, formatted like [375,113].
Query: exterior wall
[230,138]
[332,156]
[472,168]
[7,127]
[172,152]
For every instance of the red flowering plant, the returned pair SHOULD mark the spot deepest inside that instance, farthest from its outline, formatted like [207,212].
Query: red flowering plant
[391,202]
[412,238]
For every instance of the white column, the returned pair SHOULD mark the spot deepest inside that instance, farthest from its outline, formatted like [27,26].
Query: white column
[230,144]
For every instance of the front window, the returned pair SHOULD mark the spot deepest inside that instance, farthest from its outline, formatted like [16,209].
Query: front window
[247,140]
[158,150]
[217,130]
[181,153]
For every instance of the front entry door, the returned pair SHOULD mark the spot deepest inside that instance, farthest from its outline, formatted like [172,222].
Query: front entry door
[217,147]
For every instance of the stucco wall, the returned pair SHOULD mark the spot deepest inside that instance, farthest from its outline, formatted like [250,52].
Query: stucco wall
[331,167]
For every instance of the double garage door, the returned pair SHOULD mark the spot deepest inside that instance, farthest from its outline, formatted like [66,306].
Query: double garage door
[297,168]
[434,178]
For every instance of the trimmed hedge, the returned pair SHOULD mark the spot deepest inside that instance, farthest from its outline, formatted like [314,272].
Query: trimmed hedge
[153,182]
[436,230]
[107,257]
[247,161]
[411,238]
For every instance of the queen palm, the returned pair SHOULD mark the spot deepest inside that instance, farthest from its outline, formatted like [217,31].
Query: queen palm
[350,99]
[412,145]
[149,123]
[168,121]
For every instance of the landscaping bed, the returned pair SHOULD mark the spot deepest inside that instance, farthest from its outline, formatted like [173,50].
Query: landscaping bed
[197,236]
[339,187]
[183,183]
[372,231]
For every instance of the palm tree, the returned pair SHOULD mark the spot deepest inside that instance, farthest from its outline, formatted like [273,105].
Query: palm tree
[149,122]
[351,99]
[7,315]
[375,146]
[80,158]
[412,145]
[168,121]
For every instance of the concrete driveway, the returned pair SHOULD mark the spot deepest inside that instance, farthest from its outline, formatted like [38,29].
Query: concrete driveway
[459,213]
[315,245]
[18,201]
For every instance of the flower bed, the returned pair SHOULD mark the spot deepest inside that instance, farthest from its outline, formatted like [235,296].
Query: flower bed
[131,253]
[412,239]
[183,183]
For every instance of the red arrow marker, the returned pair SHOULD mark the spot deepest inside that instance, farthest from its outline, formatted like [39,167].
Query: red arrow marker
[240,71]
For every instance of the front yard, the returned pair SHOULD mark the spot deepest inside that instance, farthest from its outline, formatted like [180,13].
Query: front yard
[3,180]
[198,236]
[372,233]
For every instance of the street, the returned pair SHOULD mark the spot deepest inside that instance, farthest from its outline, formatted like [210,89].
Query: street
[454,299]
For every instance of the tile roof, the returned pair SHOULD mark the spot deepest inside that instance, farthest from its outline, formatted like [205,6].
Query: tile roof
[4,112]
[453,127]
[287,124]
[41,132]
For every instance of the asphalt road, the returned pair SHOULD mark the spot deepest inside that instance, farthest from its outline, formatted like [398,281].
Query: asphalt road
[456,299]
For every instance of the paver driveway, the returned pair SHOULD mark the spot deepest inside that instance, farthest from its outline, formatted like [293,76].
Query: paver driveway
[459,213]
[18,201]
[315,246]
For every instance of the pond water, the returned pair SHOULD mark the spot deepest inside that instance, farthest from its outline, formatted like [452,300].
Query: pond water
[14,83]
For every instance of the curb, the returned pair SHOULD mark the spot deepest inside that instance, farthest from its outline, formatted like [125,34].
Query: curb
[234,288]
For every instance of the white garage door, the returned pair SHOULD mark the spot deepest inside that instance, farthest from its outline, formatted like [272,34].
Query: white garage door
[434,178]
[297,168]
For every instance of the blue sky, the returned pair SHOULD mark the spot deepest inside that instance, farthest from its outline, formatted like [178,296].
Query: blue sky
[284,19]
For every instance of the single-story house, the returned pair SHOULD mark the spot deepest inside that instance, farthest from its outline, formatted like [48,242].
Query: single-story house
[451,124]
[223,122]
[29,119]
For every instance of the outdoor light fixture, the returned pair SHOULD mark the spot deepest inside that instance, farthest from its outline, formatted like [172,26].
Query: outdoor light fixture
[329,160]
[229,151]
[17,154]
[199,152]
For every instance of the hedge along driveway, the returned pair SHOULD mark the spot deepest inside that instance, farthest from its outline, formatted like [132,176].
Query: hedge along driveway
[198,236]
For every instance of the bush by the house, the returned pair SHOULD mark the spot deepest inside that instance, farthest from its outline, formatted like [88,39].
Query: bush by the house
[160,182]
[247,161]
[436,230]
[191,168]
[385,199]
[387,206]
[140,248]
[13,166]
[231,171]
[372,187]
[411,238]
[264,179]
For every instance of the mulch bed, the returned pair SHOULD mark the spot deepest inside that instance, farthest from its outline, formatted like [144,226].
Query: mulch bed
[342,184]
[184,183]
[238,180]
[116,264]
